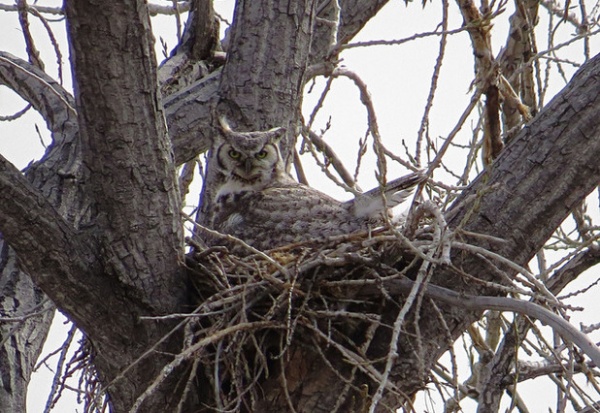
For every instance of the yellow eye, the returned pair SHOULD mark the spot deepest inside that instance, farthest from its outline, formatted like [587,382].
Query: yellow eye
[234,154]
[261,155]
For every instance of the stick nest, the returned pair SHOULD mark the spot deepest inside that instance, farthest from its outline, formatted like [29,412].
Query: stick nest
[253,309]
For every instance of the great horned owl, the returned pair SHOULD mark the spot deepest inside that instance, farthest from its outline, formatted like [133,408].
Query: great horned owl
[260,203]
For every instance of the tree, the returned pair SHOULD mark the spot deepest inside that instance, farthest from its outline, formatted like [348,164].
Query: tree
[356,324]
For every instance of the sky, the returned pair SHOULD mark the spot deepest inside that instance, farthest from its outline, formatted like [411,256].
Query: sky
[398,78]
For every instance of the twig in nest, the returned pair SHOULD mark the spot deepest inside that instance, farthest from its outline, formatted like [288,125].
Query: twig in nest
[250,248]
[190,351]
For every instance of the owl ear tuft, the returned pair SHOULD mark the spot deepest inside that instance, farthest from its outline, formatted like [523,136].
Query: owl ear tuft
[224,124]
[272,135]
[275,134]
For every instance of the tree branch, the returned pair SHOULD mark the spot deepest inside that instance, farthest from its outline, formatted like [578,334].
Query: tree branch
[573,268]
[201,35]
[154,9]
[549,168]
[483,303]
[126,148]
[49,247]
[49,98]
[354,15]
[57,176]
[495,375]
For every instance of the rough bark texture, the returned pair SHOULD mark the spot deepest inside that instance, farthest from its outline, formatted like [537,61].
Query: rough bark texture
[136,223]
[516,64]
[522,198]
[127,151]
[22,341]
[104,241]
[202,32]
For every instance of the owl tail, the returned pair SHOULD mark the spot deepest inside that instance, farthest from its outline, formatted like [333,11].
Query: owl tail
[371,204]
[399,197]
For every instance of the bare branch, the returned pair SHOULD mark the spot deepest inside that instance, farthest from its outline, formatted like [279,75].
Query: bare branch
[153,9]
[201,36]
[32,52]
[47,97]
[479,29]
[573,268]
[481,303]
[61,255]
[332,158]
[434,83]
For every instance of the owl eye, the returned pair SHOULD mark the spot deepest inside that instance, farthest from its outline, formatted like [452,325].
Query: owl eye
[261,155]
[233,154]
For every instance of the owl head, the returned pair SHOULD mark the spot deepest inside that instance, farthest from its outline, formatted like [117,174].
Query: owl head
[248,160]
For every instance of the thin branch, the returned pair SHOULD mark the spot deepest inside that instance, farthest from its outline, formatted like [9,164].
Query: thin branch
[416,289]
[32,52]
[53,41]
[365,98]
[434,83]
[57,386]
[482,303]
[16,115]
[153,9]
[396,42]
[332,157]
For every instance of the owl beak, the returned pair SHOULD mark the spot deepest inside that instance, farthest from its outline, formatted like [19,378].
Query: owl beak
[248,166]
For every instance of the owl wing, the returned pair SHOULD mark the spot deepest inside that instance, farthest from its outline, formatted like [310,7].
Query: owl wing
[286,214]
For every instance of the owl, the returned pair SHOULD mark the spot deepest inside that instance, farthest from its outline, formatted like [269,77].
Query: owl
[258,202]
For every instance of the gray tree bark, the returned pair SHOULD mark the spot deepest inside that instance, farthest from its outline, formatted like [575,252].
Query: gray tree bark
[56,178]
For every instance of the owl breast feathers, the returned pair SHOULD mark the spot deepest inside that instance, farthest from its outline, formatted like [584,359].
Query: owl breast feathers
[258,202]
